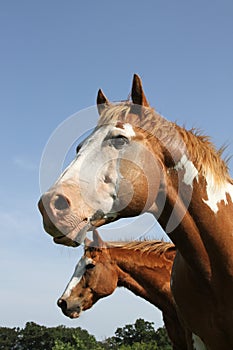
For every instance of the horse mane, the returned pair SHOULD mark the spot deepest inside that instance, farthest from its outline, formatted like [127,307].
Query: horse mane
[205,155]
[147,247]
[201,150]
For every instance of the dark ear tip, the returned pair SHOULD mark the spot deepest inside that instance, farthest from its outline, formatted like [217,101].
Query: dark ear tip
[137,79]
[137,93]
[136,76]
[100,94]
[101,98]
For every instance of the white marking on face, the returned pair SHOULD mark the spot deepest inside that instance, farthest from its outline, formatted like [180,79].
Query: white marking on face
[124,130]
[77,276]
[94,162]
[190,170]
[198,343]
[216,193]
[90,148]
[129,130]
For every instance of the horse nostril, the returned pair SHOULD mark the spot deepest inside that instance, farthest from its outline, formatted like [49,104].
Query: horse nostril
[62,304]
[61,203]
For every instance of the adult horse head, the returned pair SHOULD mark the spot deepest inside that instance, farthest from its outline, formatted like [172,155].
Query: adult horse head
[115,173]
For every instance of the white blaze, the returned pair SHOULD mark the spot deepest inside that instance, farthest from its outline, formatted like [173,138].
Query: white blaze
[94,162]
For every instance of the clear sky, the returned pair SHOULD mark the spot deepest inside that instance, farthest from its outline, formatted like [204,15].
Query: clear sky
[54,56]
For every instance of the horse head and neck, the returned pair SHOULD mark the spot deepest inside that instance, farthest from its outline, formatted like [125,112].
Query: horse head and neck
[136,161]
[143,267]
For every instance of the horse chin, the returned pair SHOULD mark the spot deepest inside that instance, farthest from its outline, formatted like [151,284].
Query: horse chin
[74,314]
[74,238]
[59,238]
[64,240]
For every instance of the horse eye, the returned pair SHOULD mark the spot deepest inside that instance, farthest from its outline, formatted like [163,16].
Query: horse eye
[78,148]
[90,266]
[119,141]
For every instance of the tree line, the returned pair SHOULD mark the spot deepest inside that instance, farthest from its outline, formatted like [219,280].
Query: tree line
[139,336]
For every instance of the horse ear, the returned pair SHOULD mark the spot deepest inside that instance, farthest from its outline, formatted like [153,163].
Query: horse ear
[137,93]
[87,242]
[102,101]
[97,240]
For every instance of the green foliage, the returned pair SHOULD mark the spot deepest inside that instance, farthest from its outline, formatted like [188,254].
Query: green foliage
[139,336]
[59,345]
[140,331]
[140,346]
[79,345]
[8,337]
[162,339]
[35,337]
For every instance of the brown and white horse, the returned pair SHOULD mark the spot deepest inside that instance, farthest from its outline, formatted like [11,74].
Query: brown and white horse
[143,267]
[136,161]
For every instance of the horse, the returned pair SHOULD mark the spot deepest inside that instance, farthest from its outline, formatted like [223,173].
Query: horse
[143,267]
[137,161]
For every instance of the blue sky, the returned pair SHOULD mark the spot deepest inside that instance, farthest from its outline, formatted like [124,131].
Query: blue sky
[55,55]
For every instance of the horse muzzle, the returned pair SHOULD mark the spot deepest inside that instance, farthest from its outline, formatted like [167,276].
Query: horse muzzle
[71,311]
[61,218]
[67,217]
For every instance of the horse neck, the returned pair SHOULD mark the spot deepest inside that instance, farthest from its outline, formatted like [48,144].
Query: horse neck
[198,219]
[145,274]
[208,233]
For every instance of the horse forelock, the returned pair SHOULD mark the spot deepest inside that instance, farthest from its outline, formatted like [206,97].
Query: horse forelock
[114,113]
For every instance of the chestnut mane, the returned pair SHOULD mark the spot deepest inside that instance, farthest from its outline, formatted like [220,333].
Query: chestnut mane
[147,247]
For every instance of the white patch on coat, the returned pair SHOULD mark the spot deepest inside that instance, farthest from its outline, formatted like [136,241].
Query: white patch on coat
[216,193]
[77,276]
[198,343]
[190,170]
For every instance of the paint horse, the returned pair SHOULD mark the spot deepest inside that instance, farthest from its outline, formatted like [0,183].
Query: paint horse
[143,267]
[136,161]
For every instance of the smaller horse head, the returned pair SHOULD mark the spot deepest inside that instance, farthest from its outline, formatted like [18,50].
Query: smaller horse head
[94,277]
[143,267]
